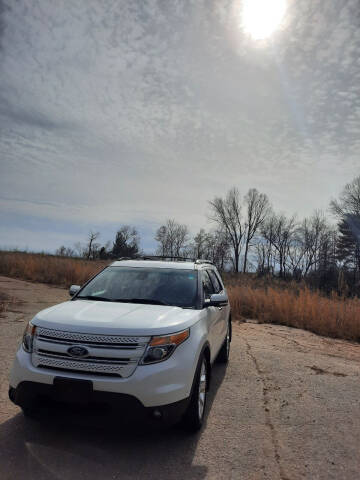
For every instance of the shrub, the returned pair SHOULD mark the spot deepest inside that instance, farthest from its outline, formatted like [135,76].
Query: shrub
[332,316]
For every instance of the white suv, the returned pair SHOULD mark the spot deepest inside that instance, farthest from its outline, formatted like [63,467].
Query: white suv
[141,335]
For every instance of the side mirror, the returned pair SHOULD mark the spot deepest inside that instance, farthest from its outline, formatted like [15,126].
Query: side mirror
[73,290]
[217,300]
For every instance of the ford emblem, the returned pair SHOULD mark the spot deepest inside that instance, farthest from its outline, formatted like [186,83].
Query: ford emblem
[78,351]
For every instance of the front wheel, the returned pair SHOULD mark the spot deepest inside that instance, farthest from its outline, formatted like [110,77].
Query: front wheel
[29,412]
[194,415]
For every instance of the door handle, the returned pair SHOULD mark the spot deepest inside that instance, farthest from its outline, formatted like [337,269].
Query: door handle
[220,308]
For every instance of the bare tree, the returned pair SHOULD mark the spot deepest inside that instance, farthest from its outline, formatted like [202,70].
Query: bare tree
[262,249]
[162,239]
[91,244]
[279,232]
[349,200]
[265,248]
[172,238]
[200,244]
[226,212]
[61,251]
[79,249]
[180,237]
[213,246]
[258,208]
[307,244]
[218,248]
[65,251]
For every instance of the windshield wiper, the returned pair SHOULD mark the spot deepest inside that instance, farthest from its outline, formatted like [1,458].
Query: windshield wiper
[124,300]
[140,300]
[94,297]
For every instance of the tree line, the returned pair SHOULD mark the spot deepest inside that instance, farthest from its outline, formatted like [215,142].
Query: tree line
[249,236]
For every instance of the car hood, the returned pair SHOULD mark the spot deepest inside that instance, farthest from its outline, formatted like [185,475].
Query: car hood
[112,318]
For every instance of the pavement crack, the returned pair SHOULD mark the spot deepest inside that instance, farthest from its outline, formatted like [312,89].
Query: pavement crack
[321,371]
[303,348]
[266,403]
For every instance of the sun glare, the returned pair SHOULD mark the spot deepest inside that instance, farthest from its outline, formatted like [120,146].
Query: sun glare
[260,18]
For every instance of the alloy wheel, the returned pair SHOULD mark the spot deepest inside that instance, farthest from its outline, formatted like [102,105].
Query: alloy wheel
[202,388]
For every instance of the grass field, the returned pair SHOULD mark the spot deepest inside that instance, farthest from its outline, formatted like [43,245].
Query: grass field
[48,269]
[267,300]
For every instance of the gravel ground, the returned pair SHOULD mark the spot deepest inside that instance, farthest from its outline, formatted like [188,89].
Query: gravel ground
[286,407]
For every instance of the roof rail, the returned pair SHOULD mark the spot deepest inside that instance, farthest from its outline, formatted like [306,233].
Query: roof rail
[169,258]
[203,260]
[160,257]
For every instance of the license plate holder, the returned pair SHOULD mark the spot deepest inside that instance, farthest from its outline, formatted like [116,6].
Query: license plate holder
[72,390]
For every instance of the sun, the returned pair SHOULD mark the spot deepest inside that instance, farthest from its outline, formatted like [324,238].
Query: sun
[260,18]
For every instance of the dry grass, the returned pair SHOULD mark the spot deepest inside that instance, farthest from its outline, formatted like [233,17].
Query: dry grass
[47,268]
[267,300]
[332,316]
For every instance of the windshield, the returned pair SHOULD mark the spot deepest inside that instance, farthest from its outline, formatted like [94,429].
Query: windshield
[159,286]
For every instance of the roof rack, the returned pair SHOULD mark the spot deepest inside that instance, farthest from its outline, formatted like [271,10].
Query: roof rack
[167,258]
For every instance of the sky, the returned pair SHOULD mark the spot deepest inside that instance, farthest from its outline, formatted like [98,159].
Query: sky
[132,112]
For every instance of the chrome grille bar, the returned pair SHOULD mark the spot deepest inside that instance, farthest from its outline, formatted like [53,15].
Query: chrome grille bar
[107,354]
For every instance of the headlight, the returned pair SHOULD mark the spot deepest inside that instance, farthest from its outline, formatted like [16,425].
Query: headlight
[28,337]
[161,348]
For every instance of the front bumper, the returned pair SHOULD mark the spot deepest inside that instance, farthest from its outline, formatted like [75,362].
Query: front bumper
[44,398]
[152,385]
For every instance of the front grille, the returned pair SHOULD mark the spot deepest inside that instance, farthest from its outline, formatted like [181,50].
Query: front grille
[107,354]
[89,337]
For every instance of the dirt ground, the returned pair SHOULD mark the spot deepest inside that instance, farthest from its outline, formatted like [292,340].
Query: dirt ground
[286,407]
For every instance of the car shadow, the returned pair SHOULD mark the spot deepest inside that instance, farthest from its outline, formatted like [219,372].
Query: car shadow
[71,446]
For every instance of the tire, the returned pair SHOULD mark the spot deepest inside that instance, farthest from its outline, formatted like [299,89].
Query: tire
[224,353]
[29,412]
[195,413]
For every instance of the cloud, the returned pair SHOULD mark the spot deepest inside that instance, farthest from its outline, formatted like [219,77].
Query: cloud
[20,116]
[3,9]
[138,111]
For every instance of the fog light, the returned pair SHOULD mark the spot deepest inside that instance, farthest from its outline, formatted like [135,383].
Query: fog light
[157,414]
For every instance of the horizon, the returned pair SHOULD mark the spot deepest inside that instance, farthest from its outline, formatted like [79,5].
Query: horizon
[147,243]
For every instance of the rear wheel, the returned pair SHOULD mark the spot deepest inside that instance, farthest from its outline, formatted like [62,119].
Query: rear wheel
[194,415]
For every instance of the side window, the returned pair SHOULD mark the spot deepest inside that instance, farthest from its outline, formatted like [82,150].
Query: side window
[215,281]
[207,285]
[217,274]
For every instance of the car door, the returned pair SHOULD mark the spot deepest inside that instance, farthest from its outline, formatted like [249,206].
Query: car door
[222,320]
[213,314]
[207,291]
